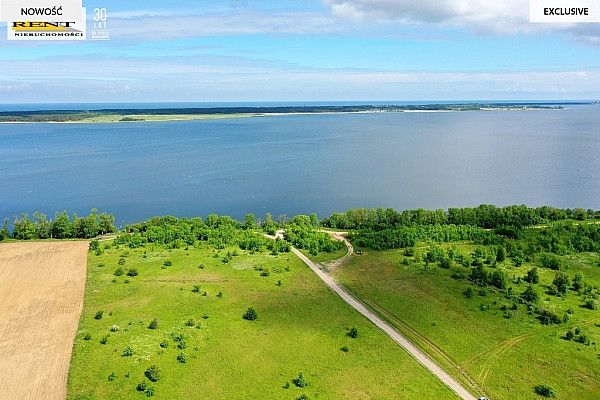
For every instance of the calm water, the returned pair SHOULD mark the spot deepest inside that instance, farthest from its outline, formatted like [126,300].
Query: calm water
[301,164]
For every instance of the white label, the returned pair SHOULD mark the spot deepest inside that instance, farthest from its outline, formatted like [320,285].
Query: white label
[40,10]
[50,29]
[564,11]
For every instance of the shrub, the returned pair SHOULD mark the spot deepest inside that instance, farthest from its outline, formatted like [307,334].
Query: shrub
[469,293]
[591,304]
[265,273]
[250,314]
[345,349]
[196,289]
[182,358]
[153,324]
[114,328]
[100,265]
[152,373]
[99,315]
[547,317]
[87,336]
[569,335]
[164,344]
[178,337]
[112,377]
[205,316]
[220,294]
[551,262]
[150,391]
[128,352]
[300,381]
[190,322]
[132,272]
[181,344]
[353,333]
[532,276]
[303,397]
[104,340]
[167,263]
[544,390]
[141,386]
[121,261]
[118,271]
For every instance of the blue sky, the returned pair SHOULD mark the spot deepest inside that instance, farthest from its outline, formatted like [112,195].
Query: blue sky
[309,50]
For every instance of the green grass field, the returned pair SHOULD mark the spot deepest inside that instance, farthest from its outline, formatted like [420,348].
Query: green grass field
[301,326]
[506,352]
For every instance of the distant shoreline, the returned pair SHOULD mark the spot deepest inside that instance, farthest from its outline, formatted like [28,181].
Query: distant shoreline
[186,114]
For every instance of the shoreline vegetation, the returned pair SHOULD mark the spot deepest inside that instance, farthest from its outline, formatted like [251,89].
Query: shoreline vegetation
[183,114]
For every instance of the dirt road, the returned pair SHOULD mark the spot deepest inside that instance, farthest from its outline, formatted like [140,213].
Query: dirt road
[41,297]
[381,324]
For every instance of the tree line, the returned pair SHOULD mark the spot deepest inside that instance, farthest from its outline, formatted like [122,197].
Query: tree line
[61,227]
[484,216]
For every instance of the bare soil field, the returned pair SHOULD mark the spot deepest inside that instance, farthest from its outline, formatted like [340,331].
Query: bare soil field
[41,297]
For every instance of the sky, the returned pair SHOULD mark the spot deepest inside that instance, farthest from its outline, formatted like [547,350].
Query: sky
[308,50]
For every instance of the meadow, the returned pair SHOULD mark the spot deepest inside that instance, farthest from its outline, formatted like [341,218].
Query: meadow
[484,335]
[202,345]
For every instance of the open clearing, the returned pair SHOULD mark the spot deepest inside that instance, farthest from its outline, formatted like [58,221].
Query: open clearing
[40,305]
[194,295]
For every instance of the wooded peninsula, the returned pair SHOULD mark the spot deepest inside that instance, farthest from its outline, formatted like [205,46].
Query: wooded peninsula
[172,114]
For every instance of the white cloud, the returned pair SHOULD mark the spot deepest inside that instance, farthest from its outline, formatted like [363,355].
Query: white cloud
[483,17]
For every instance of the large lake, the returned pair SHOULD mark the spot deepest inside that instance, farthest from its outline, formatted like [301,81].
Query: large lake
[303,163]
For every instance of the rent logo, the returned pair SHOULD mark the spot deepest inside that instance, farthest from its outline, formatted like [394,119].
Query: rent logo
[44,19]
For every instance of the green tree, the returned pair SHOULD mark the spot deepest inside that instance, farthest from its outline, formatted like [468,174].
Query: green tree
[532,276]
[249,221]
[250,314]
[530,295]
[578,281]
[561,282]
[4,232]
[23,229]
[61,227]
[106,223]
[500,254]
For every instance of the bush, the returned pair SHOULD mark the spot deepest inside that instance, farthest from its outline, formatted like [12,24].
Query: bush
[353,333]
[300,381]
[182,358]
[150,391]
[114,328]
[104,340]
[87,336]
[469,293]
[132,272]
[196,289]
[167,263]
[591,304]
[303,397]
[345,349]
[164,344]
[547,317]
[112,377]
[153,324]
[118,271]
[181,344]
[99,315]
[152,373]
[141,386]
[569,335]
[544,390]
[190,322]
[250,314]
[128,352]
[121,261]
